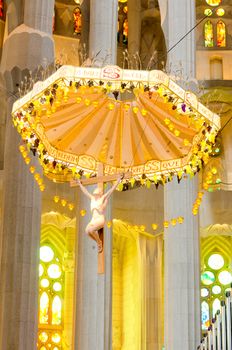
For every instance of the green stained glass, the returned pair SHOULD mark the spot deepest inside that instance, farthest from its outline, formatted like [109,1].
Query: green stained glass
[225,277]
[54,271]
[208,12]
[216,261]
[46,254]
[207,278]
[208,29]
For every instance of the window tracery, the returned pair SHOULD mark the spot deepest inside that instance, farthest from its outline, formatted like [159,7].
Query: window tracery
[51,293]
[122,23]
[77,20]
[216,278]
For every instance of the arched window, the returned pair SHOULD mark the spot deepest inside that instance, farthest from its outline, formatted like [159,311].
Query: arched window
[51,293]
[216,278]
[216,68]
[1,8]
[208,31]
[77,20]
[221,34]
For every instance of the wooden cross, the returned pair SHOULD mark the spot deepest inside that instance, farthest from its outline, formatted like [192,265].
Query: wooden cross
[100,180]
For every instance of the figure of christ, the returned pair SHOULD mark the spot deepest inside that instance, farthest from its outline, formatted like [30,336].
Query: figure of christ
[98,204]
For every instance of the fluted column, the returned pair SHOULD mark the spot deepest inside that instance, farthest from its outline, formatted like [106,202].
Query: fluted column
[180,20]
[103,31]
[20,235]
[182,268]
[182,261]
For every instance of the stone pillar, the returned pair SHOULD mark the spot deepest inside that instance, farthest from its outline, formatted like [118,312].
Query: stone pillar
[182,268]
[93,326]
[181,18]
[20,233]
[134,23]
[94,292]
[182,263]
[103,31]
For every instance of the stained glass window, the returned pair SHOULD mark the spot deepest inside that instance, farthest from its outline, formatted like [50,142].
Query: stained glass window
[213,2]
[216,277]
[77,20]
[50,299]
[221,34]
[208,12]
[122,23]
[205,320]
[220,12]
[1,8]
[208,34]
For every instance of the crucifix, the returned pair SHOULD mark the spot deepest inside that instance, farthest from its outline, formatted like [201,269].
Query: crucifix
[98,203]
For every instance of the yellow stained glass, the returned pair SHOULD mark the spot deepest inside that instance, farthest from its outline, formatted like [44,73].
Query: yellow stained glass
[213,2]
[43,348]
[44,283]
[46,254]
[44,305]
[43,337]
[54,271]
[208,28]
[56,338]
[56,310]
[57,287]
[41,270]
[208,12]
[221,34]
[220,12]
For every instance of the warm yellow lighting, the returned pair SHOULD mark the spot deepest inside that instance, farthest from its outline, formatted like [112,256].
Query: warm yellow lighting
[166,224]
[135,110]
[71,206]
[42,188]
[154,226]
[177,133]
[21,148]
[173,222]
[63,202]
[32,169]
[24,154]
[83,212]
[27,160]
[78,100]
[87,102]
[54,271]
[180,219]
[56,199]
[37,176]
[144,112]
[142,228]
[109,224]
[214,171]
[111,106]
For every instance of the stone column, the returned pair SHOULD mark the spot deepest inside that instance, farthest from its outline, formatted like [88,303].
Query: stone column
[180,19]
[103,31]
[134,23]
[94,292]
[182,263]
[182,268]
[20,234]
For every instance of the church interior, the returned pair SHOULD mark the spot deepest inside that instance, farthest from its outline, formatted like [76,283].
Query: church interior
[94,89]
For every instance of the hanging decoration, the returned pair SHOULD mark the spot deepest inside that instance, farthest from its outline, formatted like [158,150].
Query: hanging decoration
[75,120]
